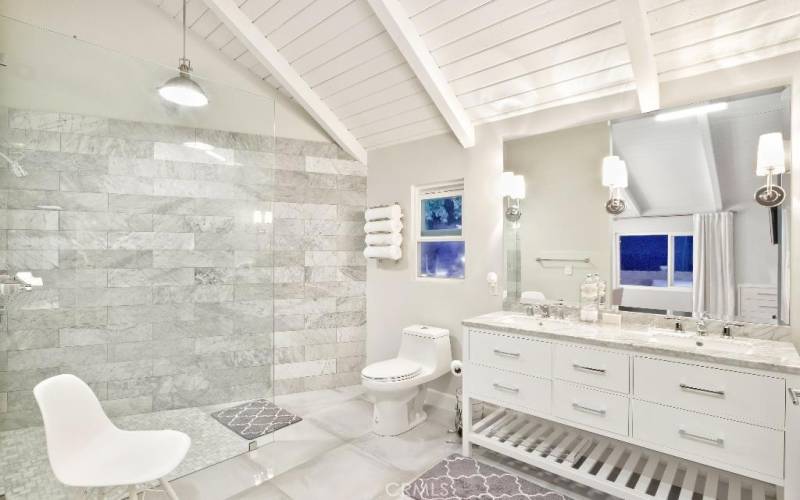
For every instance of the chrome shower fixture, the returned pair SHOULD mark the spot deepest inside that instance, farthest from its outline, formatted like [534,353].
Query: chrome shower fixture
[14,166]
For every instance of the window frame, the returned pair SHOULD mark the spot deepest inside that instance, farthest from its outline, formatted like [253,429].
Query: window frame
[426,192]
[617,254]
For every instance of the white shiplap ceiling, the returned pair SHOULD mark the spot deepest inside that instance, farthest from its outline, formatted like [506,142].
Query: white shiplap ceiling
[501,58]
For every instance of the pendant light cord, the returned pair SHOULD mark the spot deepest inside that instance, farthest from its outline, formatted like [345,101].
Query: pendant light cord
[184,29]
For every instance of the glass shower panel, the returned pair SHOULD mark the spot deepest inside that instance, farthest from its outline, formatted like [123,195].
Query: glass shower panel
[150,226]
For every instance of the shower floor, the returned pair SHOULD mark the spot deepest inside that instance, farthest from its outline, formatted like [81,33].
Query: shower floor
[25,472]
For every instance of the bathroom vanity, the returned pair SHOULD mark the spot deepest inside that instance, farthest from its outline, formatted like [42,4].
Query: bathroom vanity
[636,413]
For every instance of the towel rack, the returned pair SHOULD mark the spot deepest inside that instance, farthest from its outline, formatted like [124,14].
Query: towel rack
[382,206]
[585,260]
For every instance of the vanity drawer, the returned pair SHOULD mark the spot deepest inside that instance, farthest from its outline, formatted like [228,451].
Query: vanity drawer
[739,396]
[587,406]
[499,386]
[697,436]
[603,369]
[519,354]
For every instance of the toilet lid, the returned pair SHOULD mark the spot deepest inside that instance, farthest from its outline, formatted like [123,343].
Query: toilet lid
[391,369]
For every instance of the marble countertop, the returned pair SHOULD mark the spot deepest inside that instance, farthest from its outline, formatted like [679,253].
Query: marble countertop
[769,355]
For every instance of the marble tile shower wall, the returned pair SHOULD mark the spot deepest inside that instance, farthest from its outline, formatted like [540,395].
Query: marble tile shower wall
[160,290]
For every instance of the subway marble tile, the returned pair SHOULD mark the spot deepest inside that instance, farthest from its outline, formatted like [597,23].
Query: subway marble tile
[232,343]
[101,297]
[286,210]
[304,369]
[214,275]
[114,370]
[58,161]
[109,146]
[156,313]
[351,333]
[320,258]
[127,406]
[179,152]
[73,278]
[103,259]
[156,132]
[292,274]
[304,306]
[150,277]
[253,275]
[56,356]
[321,274]
[233,241]
[151,240]
[108,221]
[30,260]
[29,219]
[192,258]
[151,204]
[350,212]
[36,179]
[350,258]
[54,200]
[54,240]
[81,124]
[192,294]
[37,298]
[68,337]
[291,322]
[252,292]
[235,140]
[351,273]
[321,228]
[303,337]
[34,120]
[130,351]
[351,304]
[193,329]
[116,184]
[19,340]
[334,166]
[30,139]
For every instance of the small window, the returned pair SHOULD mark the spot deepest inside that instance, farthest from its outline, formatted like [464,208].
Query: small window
[439,235]
[655,260]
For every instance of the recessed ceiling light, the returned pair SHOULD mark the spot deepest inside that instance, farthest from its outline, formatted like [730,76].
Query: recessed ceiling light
[693,111]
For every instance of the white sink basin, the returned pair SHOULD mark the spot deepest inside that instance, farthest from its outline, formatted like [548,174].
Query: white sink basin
[698,343]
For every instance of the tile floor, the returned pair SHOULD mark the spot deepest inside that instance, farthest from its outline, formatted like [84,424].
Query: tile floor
[330,455]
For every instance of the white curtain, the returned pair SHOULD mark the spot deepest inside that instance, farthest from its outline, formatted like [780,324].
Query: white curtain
[786,265]
[714,282]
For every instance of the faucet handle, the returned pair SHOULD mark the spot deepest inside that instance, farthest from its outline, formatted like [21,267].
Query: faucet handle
[726,328]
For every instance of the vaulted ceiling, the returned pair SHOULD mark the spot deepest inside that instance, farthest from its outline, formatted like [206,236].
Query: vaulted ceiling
[478,61]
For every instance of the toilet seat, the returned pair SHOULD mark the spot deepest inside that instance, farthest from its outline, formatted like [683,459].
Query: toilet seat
[391,370]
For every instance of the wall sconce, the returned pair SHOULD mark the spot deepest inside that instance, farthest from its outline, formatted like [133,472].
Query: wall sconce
[513,187]
[771,160]
[615,178]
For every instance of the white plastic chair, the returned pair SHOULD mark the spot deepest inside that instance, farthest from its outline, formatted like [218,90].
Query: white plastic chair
[87,450]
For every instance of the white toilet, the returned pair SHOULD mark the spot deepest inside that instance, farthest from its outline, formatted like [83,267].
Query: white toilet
[397,385]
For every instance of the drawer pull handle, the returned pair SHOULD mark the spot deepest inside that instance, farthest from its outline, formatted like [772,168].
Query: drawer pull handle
[588,368]
[506,353]
[697,437]
[586,409]
[710,392]
[506,388]
[793,396]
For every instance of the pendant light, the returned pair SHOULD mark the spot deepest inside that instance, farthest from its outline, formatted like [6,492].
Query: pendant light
[182,90]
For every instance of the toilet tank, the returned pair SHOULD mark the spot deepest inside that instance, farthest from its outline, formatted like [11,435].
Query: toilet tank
[427,345]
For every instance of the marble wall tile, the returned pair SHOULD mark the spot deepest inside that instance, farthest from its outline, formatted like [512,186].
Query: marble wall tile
[29,219]
[160,290]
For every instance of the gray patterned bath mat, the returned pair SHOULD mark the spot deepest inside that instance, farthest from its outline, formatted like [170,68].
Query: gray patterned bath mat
[255,419]
[461,478]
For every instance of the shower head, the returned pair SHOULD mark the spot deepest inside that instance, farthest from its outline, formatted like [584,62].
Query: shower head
[14,165]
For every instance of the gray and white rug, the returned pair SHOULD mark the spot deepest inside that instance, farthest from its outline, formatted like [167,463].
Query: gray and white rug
[460,478]
[255,419]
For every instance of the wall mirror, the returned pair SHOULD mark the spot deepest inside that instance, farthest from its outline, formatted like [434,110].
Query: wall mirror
[663,207]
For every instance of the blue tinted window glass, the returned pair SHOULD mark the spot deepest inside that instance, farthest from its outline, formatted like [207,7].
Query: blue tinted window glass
[684,256]
[643,260]
[441,259]
[441,216]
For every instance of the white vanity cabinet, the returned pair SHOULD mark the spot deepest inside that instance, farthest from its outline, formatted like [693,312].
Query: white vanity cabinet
[605,417]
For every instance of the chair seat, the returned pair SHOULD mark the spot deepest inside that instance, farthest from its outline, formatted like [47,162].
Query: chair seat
[118,457]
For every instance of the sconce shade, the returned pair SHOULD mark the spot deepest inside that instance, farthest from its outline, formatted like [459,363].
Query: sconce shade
[506,183]
[771,155]
[518,188]
[615,172]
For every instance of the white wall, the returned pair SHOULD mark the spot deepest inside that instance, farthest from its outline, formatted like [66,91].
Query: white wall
[565,198]
[396,299]
[137,48]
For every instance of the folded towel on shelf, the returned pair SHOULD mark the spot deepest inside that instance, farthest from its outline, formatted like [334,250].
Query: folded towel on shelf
[382,239]
[384,226]
[388,212]
[387,252]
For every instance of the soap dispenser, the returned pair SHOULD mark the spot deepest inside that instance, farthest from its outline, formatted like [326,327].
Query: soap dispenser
[589,299]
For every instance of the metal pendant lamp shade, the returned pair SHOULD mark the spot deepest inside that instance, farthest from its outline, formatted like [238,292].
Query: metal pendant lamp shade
[182,90]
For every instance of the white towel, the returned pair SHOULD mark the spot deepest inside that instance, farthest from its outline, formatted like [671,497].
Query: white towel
[389,252]
[532,297]
[382,239]
[384,226]
[390,212]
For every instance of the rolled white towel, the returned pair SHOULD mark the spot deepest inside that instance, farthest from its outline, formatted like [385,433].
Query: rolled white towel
[390,212]
[384,226]
[387,252]
[381,239]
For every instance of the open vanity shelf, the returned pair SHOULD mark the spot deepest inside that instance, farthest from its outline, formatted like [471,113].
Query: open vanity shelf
[635,422]
[608,465]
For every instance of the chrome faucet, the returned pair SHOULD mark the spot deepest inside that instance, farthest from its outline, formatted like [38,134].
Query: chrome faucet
[678,322]
[702,326]
[558,311]
[726,329]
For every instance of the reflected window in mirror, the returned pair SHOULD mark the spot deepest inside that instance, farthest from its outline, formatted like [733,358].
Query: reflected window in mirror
[655,260]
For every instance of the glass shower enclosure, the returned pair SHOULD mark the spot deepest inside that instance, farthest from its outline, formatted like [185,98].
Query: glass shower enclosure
[150,227]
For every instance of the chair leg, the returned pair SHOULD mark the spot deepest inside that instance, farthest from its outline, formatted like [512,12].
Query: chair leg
[168,489]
